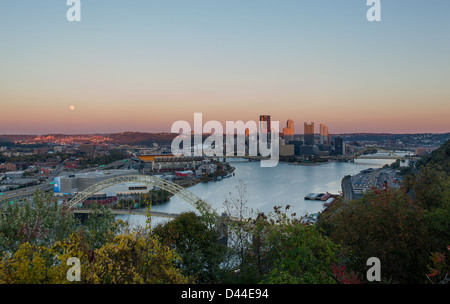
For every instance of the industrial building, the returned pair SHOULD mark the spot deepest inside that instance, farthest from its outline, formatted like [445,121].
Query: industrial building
[73,183]
[168,163]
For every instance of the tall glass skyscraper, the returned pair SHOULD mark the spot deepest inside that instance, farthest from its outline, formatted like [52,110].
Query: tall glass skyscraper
[309,133]
[264,118]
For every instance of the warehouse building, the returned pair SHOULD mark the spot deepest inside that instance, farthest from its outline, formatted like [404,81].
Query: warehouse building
[73,183]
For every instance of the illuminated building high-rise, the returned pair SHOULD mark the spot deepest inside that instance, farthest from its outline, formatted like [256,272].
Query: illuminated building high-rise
[264,118]
[288,132]
[309,134]
[324,135]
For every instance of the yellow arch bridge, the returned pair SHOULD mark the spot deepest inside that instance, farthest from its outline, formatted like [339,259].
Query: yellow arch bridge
[76,202]
[363,154]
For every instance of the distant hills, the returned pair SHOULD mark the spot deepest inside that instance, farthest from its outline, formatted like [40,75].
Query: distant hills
[124,138]
[140,138]
[146,138]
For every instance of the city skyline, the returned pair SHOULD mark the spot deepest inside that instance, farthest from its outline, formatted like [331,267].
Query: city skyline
[140,66]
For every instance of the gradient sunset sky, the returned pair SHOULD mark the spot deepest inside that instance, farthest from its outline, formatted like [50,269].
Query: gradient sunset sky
[140,65]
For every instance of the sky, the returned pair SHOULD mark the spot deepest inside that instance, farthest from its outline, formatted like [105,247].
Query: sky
[141,65]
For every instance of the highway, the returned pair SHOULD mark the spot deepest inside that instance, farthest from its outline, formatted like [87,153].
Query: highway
[363,181]
[114,165]
[24,192]
[347,189]
[29,191]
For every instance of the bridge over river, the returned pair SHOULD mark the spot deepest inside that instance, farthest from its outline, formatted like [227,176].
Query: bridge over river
[129,212]
[77,207]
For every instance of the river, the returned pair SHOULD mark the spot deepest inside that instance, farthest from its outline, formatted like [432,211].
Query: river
[284,184]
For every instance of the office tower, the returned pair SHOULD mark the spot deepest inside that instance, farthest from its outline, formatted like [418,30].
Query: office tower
[288,132]
[324,135]
[309,134]
[265,118]
[338,146]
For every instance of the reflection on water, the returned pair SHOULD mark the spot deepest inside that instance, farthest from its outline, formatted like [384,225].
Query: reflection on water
[268,187]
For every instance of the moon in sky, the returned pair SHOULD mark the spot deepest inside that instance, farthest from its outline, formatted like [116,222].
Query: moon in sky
[72,108]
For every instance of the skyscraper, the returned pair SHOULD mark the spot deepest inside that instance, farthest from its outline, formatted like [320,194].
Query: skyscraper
[309,133]
[265,118]
[288,132]
[338,146]
[324,135]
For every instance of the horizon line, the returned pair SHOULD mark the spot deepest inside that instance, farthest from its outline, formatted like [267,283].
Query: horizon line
[166,132]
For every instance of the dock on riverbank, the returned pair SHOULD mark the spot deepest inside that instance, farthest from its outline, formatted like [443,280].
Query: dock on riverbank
[320,196]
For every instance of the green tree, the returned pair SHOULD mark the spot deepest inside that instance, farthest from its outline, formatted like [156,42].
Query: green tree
[196,243]
[101,226]
[291,251]
[114,155]
[159,196]
[385,224]
[429,187]
[40,222]
[438,223]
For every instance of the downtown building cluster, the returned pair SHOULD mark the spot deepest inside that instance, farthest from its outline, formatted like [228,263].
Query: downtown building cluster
[309,143]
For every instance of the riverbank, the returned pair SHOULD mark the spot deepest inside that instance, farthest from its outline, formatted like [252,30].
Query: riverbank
[347,189]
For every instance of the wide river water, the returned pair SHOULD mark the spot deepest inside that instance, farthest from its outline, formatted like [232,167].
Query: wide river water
[284,184]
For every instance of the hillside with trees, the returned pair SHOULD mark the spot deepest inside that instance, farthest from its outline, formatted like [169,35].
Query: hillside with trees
[407,229]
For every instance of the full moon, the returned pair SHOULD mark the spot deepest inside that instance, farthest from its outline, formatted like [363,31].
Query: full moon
[72,108]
